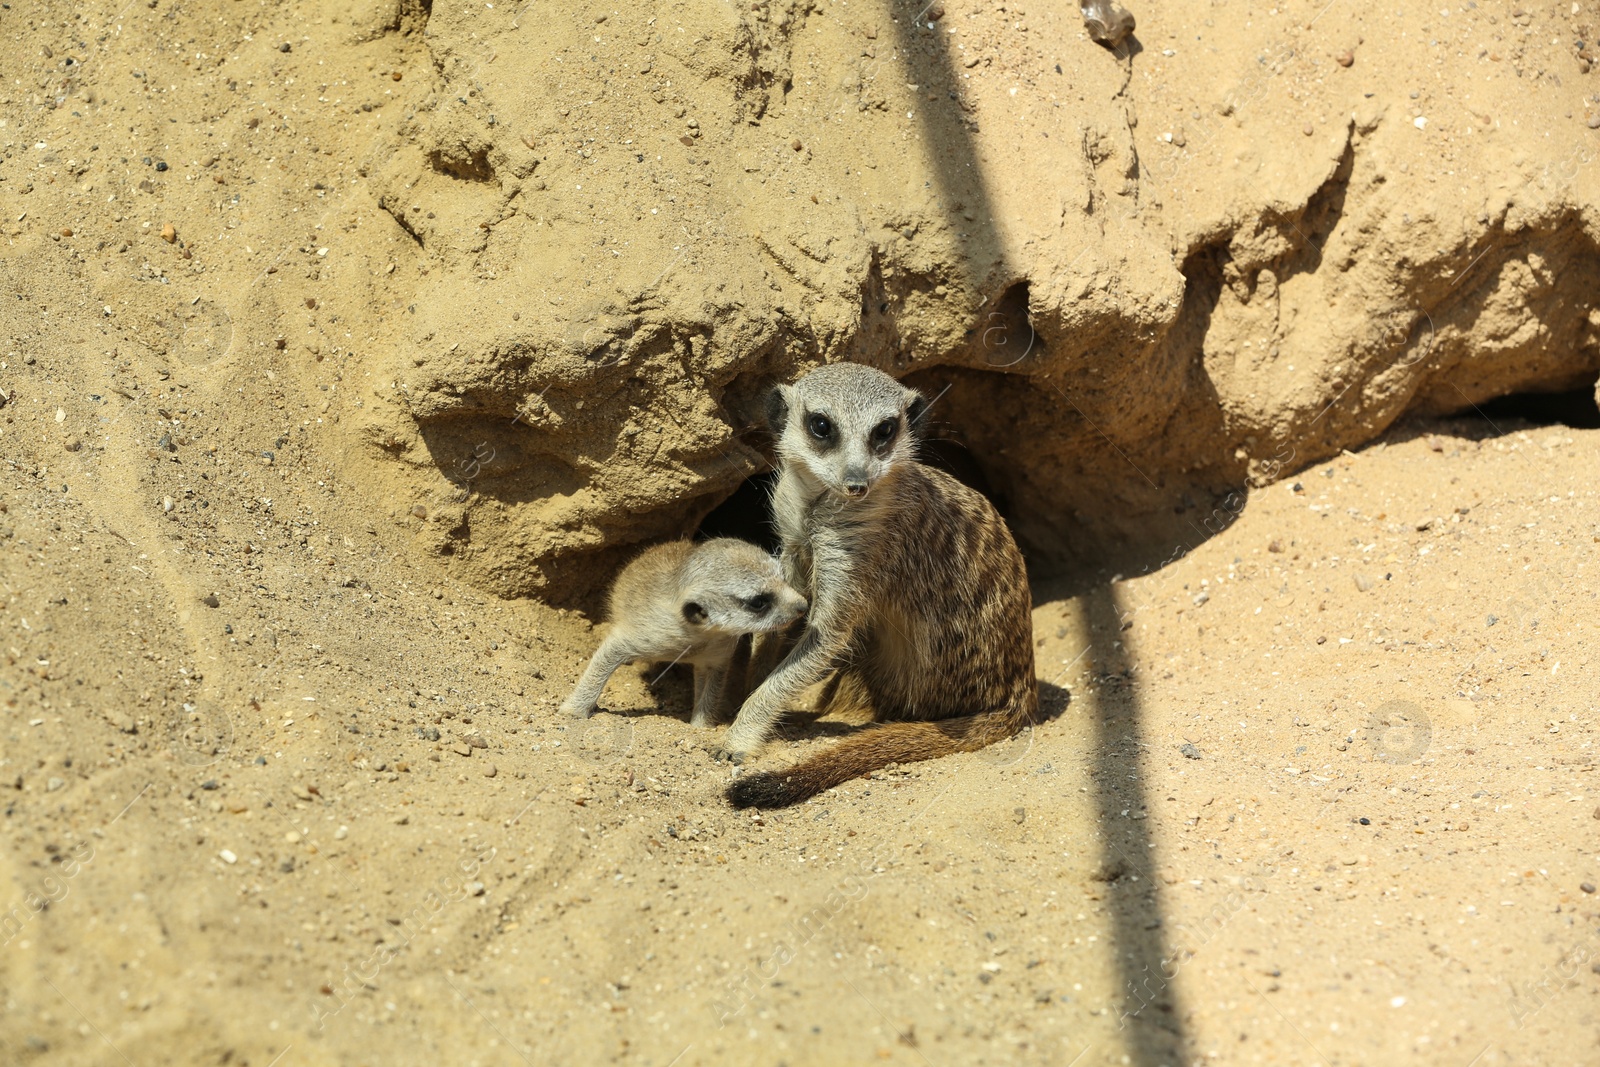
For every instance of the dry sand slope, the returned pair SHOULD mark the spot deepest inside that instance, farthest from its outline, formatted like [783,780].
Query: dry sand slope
[281,779]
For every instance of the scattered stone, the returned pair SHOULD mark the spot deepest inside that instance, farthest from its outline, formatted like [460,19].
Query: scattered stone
[461,748]
[1594,121]
[1345,58]
[73,444]
[475,888]
[418,511]
[1587,887]
[165,444]
[209,783]
[227,856]
[162,165]
[1308,129]
[1364,821]
[169,233]
[1189,750]
[1492,620]
[286,47]
[341,833]
[1363,583]
[476,741]
[428,733]
[54,784]
[211,601]
[1108,23]
[490,771]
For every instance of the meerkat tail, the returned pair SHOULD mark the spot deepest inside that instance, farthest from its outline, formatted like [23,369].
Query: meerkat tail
[872,749]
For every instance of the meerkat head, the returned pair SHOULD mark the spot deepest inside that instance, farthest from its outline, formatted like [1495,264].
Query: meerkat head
[845,426]
[735,587]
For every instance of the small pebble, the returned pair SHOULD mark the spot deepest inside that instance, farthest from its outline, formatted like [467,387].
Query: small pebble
[418,511]
[1189,750]
[796,145]
[161,165]
[291,838]
[228,856]
[73,444]
[53,784]
[490,771]
[1308,129]
[212,601]
[1594,122]
[475,888]
[1364,821]
[1345,58]
[341,833]
[169,233]
[1587,887]
[461,748]
[286,47]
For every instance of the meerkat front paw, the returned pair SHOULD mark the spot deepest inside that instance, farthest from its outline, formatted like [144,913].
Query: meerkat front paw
[577,711]
[723,754]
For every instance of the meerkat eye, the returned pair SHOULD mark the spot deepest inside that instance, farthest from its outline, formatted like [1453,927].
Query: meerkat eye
[884,432]
[821,426]
[759,605]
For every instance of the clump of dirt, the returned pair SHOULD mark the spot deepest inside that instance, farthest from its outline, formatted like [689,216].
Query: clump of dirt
[328,338]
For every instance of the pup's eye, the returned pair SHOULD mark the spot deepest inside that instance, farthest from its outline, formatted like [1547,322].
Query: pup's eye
[759,605]
[821,427]
[884,432]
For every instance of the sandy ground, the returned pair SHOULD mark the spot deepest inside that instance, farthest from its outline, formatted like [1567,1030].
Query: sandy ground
[277,790]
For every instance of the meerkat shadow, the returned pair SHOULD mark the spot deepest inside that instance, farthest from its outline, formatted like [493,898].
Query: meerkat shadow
[836,714]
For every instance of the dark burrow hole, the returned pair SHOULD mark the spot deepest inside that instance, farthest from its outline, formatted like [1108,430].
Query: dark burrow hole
[1573,407]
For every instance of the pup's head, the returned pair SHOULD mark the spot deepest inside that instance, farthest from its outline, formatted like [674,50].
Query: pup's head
[736,587]
[845,426]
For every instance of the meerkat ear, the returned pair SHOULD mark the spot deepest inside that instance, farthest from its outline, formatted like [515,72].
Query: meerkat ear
[916,408]
[695,613]
[777,409]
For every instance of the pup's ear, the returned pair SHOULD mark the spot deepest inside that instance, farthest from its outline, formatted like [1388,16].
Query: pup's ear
[695,613]
[916,408]
[777,409]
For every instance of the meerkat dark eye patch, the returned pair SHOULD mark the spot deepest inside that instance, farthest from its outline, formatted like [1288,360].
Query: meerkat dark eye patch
[885,432]
[694,613]
[820,427]
[759,605]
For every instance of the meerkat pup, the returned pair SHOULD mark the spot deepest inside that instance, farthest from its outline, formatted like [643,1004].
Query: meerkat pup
[690,603]
[919,597]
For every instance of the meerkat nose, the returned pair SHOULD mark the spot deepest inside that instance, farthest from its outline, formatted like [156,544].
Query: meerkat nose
[856,489]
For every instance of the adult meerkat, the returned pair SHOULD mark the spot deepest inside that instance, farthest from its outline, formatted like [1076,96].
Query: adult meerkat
[690,603]
[919,597]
